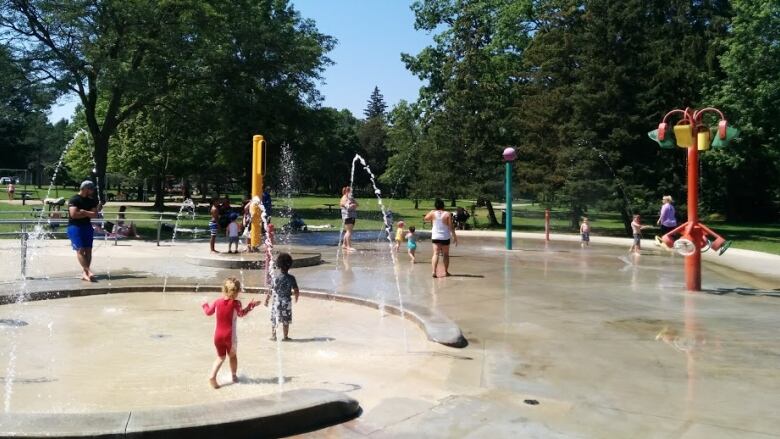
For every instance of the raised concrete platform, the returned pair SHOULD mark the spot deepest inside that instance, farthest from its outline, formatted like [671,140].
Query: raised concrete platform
[287,413]
[251,261]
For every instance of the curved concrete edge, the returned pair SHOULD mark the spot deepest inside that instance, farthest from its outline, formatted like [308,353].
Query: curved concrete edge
[438,327]
[284,414]
[299,260]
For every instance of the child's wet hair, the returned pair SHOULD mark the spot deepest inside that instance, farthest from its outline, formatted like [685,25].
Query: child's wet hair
[412,229]
[284,261]
[231,288]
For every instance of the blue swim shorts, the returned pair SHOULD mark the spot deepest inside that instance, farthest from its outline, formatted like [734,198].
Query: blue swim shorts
[81,236]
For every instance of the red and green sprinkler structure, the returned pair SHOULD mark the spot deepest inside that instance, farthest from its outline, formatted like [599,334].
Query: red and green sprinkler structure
[691,132]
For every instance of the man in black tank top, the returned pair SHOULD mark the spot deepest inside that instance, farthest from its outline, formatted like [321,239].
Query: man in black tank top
[82,207]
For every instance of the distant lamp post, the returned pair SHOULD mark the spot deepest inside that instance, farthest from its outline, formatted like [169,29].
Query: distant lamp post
[510,156]
[691,133]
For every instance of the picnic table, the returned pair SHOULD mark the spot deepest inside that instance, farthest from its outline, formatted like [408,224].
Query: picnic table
[26,196]
[330,207]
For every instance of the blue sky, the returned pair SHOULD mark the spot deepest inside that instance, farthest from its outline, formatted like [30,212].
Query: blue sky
[371,35]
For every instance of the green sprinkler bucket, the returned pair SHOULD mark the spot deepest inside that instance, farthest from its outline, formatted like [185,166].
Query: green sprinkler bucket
[662,136]
[722,136]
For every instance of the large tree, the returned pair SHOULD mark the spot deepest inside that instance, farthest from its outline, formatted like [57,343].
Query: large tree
[742,180]
[22,105]
[259,60]
[469,73]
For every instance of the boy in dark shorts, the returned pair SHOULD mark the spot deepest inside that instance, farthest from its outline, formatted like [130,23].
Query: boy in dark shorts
[282,289]
[82,207]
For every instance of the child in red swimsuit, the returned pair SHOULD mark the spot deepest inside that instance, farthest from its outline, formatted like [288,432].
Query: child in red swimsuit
[225,335]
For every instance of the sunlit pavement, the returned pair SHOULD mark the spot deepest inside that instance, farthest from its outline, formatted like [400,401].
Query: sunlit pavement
[563,341]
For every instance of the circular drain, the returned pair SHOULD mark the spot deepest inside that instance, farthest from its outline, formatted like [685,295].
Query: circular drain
[13,323]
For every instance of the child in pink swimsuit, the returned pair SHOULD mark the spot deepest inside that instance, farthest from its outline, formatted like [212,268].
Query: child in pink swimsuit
[225,335]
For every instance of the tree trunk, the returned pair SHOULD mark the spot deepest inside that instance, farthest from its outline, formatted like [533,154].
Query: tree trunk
[491,213]
[576,214]
[101,163]
[416,203]
[140,196]
[626,221]
[159,193]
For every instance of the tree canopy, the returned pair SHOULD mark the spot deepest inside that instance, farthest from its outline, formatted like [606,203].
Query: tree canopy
[175,90]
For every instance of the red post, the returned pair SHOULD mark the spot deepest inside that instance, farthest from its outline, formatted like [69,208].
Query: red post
[546,224]
[693,261]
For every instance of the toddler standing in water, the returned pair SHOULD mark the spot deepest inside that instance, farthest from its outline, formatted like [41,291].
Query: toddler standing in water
[225,334]
[585,232]
[282,289]
[399,236]
[232,233]
[411,242]
[636,229]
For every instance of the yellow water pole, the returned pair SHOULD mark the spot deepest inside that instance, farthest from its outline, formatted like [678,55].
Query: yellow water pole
[258,171]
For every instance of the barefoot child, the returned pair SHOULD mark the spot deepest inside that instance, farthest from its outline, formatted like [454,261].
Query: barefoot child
[411,242]
[636,229]
[232,233]
[399,236]
[225,334]
[585,232]
[283,286]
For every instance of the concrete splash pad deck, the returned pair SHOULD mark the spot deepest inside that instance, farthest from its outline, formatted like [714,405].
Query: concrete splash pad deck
[563,342]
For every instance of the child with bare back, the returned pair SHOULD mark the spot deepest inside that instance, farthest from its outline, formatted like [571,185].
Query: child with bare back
[636,229]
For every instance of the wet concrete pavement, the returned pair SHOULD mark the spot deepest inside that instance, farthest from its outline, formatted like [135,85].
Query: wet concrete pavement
[563,342]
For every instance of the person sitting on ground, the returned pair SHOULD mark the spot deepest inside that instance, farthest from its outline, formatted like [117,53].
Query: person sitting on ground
[283,287]
[461,218]
[296,223]
[122,228]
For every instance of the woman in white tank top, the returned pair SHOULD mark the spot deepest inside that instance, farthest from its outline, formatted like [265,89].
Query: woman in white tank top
[442,231]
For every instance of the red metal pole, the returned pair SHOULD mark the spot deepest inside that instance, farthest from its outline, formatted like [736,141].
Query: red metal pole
[546,224]
[693,262]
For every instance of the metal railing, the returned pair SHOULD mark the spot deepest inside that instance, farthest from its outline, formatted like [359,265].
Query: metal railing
[53,223]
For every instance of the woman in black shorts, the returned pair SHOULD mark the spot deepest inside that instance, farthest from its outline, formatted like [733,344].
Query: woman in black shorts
[442,230]
[349,215]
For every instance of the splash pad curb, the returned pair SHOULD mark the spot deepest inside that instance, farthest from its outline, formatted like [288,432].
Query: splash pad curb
[284,414]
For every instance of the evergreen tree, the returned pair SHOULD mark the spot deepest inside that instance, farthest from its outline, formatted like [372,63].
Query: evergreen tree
[376,105]
[372,133]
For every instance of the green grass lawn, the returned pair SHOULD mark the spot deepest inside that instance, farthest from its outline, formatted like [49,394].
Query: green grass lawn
[314,210]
